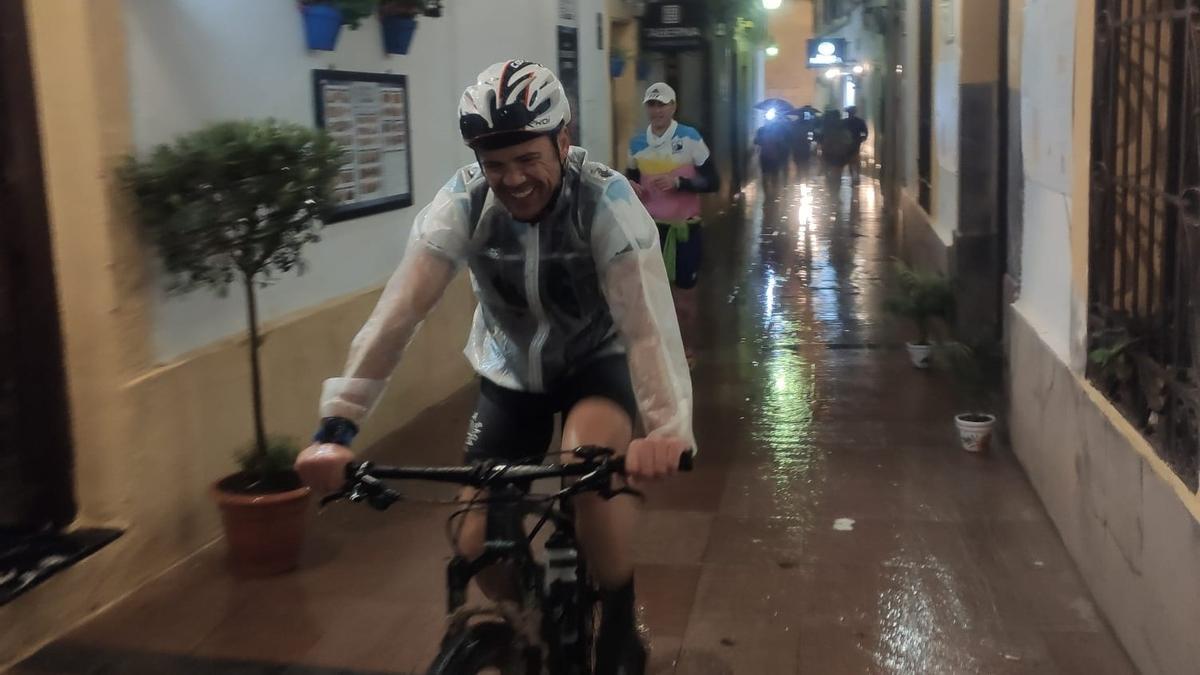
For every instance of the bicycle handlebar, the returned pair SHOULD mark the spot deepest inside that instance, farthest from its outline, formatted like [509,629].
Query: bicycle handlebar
[483,474]
[363,479]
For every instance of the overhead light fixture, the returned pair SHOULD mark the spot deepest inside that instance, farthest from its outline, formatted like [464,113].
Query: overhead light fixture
[858,70]
[832,74]
[772,4]
[773,50]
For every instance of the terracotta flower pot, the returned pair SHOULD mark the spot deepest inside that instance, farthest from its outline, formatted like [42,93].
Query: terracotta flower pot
[264,531]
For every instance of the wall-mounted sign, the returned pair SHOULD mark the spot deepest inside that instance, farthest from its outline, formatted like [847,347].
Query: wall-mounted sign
[568,62]
[367,114]
[949,24]
[673,25]
[826,52]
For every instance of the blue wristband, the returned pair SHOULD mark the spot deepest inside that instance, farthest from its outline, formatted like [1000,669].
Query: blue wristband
[337,430]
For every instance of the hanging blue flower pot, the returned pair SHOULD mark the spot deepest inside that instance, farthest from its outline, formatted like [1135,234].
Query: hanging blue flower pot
[643,69]
[322,24]
[398,33]
[616,65]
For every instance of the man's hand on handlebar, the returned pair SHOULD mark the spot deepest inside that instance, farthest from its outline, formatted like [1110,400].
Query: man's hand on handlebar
[651,459]
[322,466]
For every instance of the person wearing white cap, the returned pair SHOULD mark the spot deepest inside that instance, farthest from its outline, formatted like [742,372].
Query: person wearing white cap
[669,166]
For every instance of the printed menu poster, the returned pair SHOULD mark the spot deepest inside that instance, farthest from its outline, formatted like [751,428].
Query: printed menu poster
[369,120]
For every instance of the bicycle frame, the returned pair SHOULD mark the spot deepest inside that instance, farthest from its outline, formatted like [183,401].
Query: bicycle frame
[565,599]
[561,605]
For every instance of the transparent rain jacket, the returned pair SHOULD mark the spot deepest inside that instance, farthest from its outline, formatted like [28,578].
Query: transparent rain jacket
[585,282]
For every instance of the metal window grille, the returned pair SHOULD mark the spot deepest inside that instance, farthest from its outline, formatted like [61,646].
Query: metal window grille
[1144,264]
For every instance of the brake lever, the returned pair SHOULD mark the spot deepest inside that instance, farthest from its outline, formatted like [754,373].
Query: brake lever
[607,492]
[591,453]
[364,488]
[377,495]
[331,498]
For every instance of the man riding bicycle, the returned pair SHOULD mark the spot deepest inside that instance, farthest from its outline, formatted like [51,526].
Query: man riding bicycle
[575,317]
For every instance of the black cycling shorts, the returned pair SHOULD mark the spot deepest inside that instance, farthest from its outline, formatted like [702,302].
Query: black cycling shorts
[517,426]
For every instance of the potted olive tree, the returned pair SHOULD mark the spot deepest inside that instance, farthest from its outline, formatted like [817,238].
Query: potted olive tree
[923,298]
[233,204]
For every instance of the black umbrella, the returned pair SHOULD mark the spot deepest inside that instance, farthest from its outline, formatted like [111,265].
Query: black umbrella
[778,104]
[805,112]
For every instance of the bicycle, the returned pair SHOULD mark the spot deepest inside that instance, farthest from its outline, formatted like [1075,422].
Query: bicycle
[551,627]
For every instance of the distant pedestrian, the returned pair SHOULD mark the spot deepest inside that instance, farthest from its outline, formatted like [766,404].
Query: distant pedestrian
[802,134]
[774,147]
[858,135]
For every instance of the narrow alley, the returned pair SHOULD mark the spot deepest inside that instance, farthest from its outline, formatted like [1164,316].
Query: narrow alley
[832,526]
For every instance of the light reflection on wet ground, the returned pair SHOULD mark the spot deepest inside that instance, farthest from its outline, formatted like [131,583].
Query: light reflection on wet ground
[832,526]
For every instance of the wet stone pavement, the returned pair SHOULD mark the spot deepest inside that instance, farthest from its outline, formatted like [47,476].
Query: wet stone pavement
[832,525]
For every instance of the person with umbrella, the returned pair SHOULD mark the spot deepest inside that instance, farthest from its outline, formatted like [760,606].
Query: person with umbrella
[803,134]
[772,141]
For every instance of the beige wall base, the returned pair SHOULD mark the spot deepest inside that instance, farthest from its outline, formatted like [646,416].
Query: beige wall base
[1131,526]
[920,244]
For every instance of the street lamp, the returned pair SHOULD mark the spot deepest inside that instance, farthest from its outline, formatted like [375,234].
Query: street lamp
[832,74]
[858,70]
[772,4]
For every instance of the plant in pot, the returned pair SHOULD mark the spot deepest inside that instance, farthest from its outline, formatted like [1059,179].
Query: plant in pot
[323,20]
[923,298]
[398,23]
[977,371]
[233,204]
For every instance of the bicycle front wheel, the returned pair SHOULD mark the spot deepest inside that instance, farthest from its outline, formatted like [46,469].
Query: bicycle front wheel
[490,648]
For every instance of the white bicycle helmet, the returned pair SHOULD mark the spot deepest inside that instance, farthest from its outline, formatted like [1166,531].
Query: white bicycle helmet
[513,97]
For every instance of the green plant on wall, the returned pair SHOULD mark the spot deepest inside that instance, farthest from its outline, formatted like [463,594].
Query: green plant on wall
[977,369]
[410,8]
[353,11]
[234,203]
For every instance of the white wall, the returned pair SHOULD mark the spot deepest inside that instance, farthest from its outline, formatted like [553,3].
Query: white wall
[197,61]
[1047,108]
[947,57]
[595,85]
[910,98]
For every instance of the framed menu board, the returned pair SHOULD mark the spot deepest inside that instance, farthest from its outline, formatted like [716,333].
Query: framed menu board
[367,114]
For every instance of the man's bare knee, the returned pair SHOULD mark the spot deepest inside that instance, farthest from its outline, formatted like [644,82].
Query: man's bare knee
[598,421]
[471,535]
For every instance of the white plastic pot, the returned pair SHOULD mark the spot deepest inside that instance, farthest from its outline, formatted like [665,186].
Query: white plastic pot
[921,355]
[975,431]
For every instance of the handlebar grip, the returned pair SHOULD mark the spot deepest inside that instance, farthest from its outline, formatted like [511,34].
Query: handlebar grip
[687,460]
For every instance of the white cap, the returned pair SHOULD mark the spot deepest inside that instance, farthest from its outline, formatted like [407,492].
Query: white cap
[661,92]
